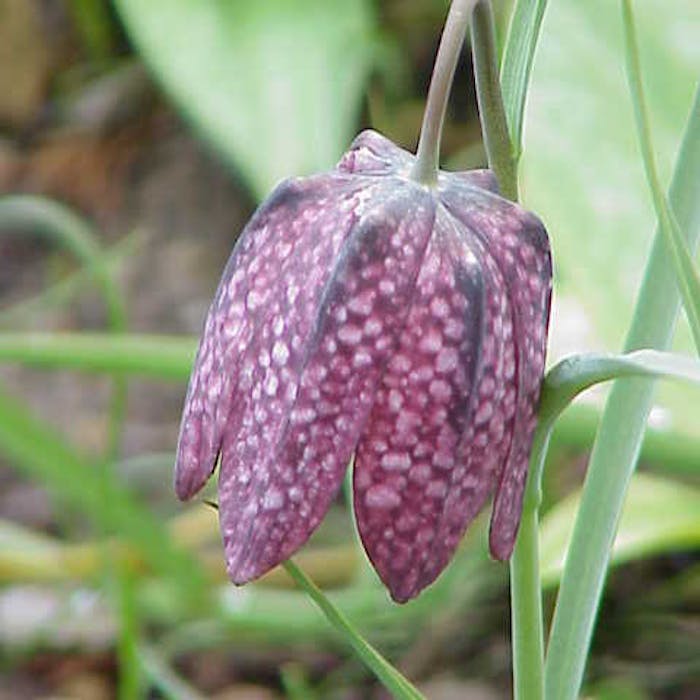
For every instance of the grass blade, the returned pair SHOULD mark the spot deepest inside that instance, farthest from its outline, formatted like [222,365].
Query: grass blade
[42,454]
[573,375]
[516,66]
[614,455]
[688,279]
[161,357]
[385,672]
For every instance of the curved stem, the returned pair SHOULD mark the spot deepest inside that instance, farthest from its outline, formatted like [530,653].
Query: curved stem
[488,93]
[425,168]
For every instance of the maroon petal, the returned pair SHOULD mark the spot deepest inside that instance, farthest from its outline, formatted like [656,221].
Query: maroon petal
[267,244]
[309,375]
[441,424]
[518,242]
[373,154]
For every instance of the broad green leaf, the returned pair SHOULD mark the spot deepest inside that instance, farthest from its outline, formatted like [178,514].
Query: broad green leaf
[660,515]
[274,85]
[581,167]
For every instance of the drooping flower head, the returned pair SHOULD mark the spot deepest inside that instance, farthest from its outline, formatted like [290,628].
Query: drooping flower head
[362,312]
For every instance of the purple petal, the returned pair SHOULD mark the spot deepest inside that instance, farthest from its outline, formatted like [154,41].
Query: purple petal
[442,421]
[518,243]
[309,375]
[268,243]
[373,154]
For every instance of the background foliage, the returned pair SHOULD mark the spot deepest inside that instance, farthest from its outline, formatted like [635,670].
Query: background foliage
[277,88]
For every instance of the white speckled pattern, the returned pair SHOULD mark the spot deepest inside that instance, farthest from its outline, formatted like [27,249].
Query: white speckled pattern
[362,312]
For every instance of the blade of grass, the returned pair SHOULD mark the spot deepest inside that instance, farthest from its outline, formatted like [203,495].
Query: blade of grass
[163,678]
[394,682]
[562,384]
[61,293]
[615,451]
[162,357]
[42,216]
[41,453]
[58,223]
[516,66]
[687,275]
[575,374]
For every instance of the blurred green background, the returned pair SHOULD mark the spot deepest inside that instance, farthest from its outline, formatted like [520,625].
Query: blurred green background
[160,125]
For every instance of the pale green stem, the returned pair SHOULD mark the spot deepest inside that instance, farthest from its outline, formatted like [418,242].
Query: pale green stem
[615,451]
[399,686]
[425,169]
[488,92]
[687,275]
[516,68]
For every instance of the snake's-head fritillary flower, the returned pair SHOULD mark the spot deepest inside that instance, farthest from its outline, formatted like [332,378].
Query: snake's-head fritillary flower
[362,312]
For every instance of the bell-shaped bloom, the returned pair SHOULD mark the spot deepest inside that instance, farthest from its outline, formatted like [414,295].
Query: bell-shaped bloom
[362,312]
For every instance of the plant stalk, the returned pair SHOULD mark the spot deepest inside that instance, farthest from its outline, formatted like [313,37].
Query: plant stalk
[488,93]
[425,169]
[615,455]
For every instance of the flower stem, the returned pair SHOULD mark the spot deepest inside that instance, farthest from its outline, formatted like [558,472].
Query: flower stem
[525,589]
[397,685]
[488,93]
[425,168]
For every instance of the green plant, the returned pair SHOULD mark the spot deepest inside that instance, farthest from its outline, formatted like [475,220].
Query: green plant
[542,556]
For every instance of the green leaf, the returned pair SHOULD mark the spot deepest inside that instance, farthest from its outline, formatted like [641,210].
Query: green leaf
[44,455]
[516,67]
[274,85]
[687,275]
[575,374]
[580,167]
[158,356]
[659,516]
[616,448]
[397,685]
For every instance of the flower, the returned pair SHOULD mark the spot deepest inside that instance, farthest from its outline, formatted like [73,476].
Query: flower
[362,312]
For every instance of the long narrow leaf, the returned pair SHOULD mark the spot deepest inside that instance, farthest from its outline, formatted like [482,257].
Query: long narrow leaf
[162,357]
[387,674]
[614,453]
[518,56]
[572,375]
[687,275]
[41,453]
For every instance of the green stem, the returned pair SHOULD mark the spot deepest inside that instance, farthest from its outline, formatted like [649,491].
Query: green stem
[615,452]
[688,280]
[526,597]
[399,686]
[525,588]
[425,169]
[516,68]
[488,93]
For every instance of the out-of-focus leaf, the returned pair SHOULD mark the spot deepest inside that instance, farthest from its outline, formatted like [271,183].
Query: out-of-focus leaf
[660,515]
[581,167]
[41,453]
[274,85]
[157,356]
